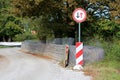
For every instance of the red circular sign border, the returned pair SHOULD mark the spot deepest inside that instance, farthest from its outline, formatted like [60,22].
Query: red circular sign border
[79,21]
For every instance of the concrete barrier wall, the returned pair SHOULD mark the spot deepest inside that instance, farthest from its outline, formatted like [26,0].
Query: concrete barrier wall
[91,53]
[55,51]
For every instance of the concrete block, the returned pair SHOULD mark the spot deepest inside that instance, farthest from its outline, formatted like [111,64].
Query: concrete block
[91,53]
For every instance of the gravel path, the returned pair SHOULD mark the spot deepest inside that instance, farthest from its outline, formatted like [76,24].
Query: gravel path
[15,65]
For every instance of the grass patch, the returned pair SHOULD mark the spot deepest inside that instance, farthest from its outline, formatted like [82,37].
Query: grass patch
[109,68]
[103,70]
[4,47]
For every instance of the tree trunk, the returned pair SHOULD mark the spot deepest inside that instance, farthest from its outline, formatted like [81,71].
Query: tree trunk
[58,36]
[4,40]
[42,39]
[9,39]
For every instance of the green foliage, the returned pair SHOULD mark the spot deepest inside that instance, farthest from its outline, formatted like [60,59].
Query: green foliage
[26,24]
[40,28]
[106,29]
[57,15]
[114,6]
[105,70]
[56,18]
[112,50]
[4,47]
[11,29]
[53,15]
[8,26]
[24,36]
[109,68]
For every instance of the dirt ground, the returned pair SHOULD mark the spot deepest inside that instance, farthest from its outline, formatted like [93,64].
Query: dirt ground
[16,65]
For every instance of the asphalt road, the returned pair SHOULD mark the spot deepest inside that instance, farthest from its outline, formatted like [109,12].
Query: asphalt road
[15,65]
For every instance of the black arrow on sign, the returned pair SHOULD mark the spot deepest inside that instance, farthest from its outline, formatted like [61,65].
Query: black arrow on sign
[78,15]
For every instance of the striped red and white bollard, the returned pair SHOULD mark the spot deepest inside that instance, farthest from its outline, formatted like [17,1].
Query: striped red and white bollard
[79,56]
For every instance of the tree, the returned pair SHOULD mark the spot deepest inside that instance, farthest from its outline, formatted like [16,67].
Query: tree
[107,29]
[110,7]
[11,29]
[57,13]
[9,26]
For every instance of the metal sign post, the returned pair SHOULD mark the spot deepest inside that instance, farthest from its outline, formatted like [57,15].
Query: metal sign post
[79,32]
[79,15]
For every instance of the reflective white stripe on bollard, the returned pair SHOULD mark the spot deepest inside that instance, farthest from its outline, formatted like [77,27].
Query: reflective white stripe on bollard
[79,56]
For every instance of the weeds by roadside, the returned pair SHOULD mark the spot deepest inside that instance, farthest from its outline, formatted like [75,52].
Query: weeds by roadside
[104,70]
[109,68]
[4,47]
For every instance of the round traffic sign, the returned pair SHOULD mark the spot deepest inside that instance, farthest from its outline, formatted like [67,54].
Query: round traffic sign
[79,15]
